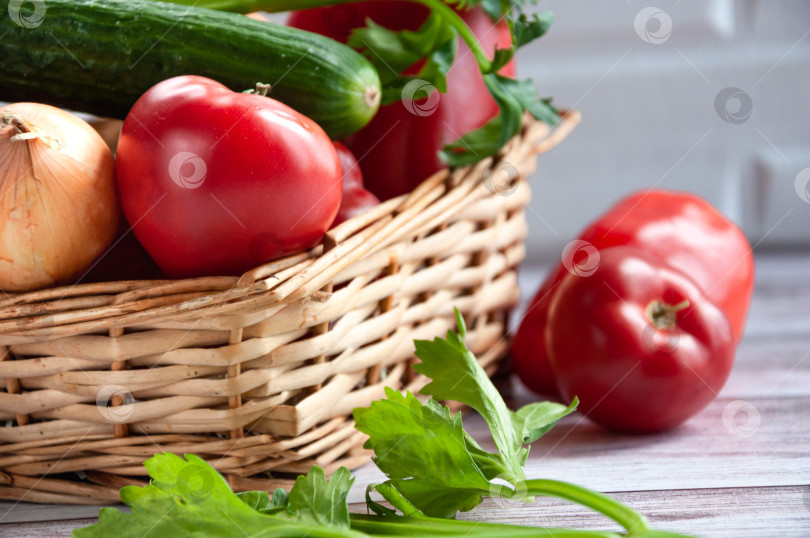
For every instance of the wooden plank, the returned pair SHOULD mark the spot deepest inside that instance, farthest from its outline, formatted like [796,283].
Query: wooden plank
[43,528]
[716,513]
[706,452]
[770,367]
[11,512]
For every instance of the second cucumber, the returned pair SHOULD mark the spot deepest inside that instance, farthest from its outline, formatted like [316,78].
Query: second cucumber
[99,56]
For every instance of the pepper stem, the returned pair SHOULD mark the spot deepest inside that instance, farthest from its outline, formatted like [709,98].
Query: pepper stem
[663,315]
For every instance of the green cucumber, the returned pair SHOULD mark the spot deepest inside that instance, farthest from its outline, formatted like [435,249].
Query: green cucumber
[99,56]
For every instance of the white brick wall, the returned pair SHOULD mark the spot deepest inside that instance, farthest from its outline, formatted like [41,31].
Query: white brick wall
[649,114]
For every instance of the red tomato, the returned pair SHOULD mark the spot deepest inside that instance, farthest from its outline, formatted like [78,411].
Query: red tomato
[352,175]
[401,142]
[638,342]
[677,228]
[217,182]
[356,199]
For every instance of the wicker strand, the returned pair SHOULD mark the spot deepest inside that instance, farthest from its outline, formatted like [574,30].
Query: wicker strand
[322,328]
[12,385]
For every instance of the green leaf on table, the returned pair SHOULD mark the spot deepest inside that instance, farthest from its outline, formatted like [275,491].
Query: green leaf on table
[261,501]
[456,375]
[422,450]
[534,420]
[314,500]
[188,497]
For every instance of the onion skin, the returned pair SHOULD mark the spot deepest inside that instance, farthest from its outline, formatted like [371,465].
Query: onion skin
[58,207]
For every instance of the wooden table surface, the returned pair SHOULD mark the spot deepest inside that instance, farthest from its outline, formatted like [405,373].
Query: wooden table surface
[740,468]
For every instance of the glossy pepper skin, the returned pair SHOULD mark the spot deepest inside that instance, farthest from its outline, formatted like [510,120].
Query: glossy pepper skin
[638,342]
[398,148]
[677,228]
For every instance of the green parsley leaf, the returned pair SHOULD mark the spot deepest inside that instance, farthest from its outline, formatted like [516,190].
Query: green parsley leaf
[534,420]
[422,450]
[456,375]
[513,97]
[261,501]
[318,502]
[188,497]
[528,29]
[475,145]
[393,53]
[494,8]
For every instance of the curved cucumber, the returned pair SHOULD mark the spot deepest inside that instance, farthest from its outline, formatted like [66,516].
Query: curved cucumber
[99,56]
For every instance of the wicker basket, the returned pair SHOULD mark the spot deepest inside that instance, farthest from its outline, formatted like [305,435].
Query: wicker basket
[259,374]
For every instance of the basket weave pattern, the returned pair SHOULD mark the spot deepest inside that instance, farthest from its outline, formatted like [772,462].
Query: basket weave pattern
[259,374]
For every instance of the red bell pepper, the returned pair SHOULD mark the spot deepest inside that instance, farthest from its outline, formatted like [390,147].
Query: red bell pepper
[679,229]
[640,345]
[398,148]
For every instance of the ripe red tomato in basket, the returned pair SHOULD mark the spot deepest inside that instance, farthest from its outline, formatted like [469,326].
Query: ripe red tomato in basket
[638,342]
[356,199]
[398,148]
[218,182]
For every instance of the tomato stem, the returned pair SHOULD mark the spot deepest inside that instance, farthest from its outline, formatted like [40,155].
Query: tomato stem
[260,89]
[663,315]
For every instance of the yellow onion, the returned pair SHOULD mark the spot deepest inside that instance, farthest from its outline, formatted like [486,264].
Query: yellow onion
[58,208]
